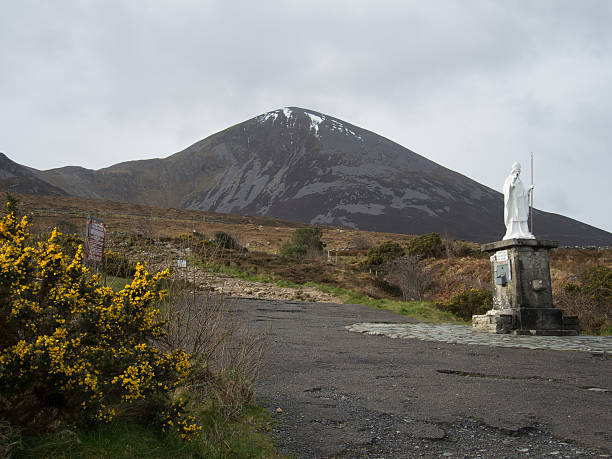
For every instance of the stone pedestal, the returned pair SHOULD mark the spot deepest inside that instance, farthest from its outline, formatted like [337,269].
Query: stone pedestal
[522,293]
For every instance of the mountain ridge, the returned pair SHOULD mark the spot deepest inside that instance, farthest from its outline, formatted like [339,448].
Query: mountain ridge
[18,178]
[303,165]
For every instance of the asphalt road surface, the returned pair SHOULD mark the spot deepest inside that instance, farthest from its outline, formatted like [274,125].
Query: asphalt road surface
[337,393]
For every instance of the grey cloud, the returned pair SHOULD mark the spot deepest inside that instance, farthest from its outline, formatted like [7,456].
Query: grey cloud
[472,85]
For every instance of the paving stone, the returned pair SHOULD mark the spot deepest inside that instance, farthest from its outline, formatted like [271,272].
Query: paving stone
[463,334]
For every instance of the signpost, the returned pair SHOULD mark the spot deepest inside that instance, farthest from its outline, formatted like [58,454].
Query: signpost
[96,235]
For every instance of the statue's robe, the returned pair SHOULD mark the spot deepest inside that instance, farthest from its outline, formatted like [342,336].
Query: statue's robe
[516,209]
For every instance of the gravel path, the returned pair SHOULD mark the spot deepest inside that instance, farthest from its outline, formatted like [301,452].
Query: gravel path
[337,393]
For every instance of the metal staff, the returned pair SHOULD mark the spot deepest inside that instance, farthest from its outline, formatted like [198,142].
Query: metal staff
[531,205]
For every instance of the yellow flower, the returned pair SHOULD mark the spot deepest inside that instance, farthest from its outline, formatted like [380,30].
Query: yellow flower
[78,338]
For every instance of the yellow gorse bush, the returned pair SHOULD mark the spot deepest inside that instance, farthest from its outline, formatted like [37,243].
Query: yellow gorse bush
[174,419]
[70,347]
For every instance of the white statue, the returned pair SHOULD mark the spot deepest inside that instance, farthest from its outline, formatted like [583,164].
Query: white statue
[516,206]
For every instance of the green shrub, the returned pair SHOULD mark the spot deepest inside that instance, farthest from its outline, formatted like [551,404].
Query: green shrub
[70,349]
[67,227]
[305,242]
[571,288]
[226,241]
[591,301]
[426,246]
[69,243]
[378,256]
[118,265]
[12,204]
[199,235]
[289,250]
[597,283]
[385,286]
[463,249]
[468,303]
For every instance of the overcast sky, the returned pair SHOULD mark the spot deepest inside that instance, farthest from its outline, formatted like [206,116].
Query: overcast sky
[471,85]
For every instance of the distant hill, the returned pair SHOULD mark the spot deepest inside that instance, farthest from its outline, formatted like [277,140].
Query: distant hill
[305,166]
[21,179]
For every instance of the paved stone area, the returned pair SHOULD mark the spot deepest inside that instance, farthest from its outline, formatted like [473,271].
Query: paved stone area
[464,334]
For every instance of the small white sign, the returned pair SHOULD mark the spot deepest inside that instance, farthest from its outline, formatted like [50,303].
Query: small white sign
[181,263]
[502,255]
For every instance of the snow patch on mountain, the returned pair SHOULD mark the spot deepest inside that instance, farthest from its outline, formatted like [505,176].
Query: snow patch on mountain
[314,122]
[336,125]
[266,116]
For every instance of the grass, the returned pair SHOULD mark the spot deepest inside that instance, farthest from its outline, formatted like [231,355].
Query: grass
[116,283]
[217,268]
[424,311]
[127,438]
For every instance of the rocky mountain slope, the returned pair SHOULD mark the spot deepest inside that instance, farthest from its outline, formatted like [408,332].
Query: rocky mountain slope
[21,179]
[306,166]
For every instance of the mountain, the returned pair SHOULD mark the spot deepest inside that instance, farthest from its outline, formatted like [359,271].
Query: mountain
[302,165]
[21,179]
